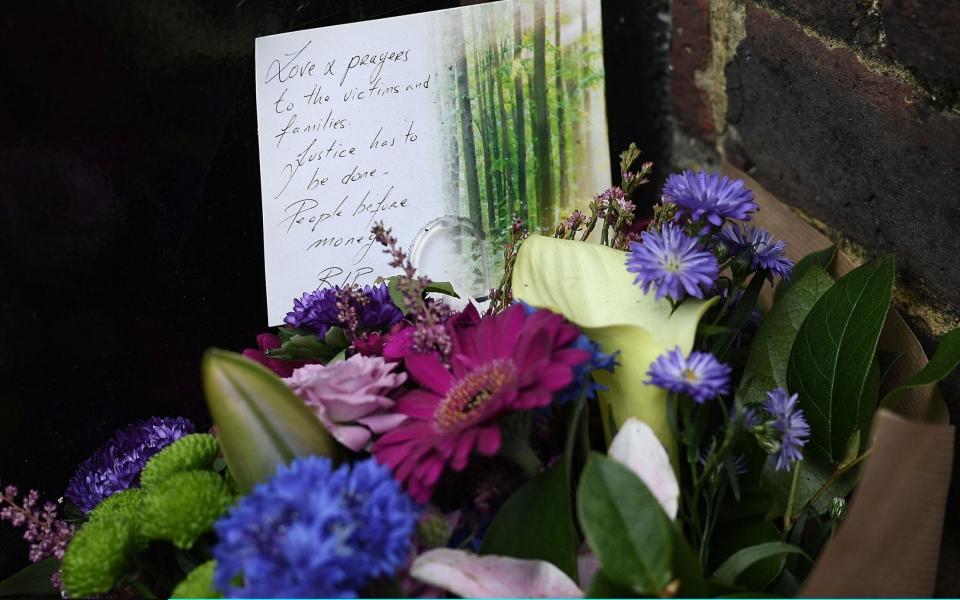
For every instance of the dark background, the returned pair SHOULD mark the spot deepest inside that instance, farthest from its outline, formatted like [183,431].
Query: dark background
[130,232]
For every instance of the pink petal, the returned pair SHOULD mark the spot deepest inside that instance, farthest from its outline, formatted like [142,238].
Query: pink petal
[382,423]
[587,564]
[418,403]
[464,448]
[471,576]
[429,372]
[352,437]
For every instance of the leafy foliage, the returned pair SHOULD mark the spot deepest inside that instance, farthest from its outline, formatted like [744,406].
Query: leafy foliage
[834,352]
[625,526]
[301,344]
[766,367]
[945,360]
[31,580]
[536,522]
[821,259]
[743,559]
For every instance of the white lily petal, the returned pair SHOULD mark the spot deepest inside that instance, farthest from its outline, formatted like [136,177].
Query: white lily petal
[636,447]
[472,576]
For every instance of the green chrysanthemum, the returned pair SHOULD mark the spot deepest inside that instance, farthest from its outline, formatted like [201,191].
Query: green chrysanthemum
[184,506]
[99,554]
[125,503]
[192,452]
[198,583]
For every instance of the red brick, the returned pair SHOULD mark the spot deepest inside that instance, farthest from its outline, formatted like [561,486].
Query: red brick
[925,36]
[689,52]
[849,20]
[860,150]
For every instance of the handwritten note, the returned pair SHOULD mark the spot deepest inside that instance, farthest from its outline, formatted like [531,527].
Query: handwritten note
[362,123]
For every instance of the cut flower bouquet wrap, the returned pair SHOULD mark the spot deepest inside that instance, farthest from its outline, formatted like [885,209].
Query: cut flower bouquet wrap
[710,402]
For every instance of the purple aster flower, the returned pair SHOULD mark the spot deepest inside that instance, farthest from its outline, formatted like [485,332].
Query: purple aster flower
[316,311]
[700,376]
[713,197]
[674,262]
[750,418]
[789,422]
[369,309]
[757,245]
[313,531]
[116,465]
[379,313]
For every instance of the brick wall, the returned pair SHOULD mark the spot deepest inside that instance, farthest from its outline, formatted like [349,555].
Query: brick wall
[849,110]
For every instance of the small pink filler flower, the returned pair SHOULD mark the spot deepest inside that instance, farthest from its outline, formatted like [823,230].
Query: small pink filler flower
[351,397]
[509,362]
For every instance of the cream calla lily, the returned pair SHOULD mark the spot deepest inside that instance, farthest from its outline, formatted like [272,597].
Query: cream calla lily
[590,285]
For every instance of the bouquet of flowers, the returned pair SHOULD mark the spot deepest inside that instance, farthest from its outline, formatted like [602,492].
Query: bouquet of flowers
[640,416]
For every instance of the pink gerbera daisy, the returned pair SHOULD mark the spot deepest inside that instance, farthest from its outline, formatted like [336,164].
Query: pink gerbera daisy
[509,362]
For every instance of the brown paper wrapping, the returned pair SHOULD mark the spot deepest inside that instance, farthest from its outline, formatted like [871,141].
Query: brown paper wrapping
[889,542]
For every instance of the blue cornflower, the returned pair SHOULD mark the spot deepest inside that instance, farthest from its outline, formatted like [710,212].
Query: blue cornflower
[315,531]
[116,465]
[324,308]
[673,261]
[582,383]
[713,197]
[789,422]
[756,245]
[700,376]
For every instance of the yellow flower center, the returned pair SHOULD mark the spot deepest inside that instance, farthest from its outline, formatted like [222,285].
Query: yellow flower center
[463,402]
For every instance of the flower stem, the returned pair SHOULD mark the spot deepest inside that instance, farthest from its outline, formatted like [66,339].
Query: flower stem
[520,452]
[837,474]
[788,512]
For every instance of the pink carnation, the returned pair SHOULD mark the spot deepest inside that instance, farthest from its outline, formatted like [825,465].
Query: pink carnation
[351,397]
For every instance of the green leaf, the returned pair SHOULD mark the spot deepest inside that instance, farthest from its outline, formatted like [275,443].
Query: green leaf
[733,535]
[442,287]
[301,344]
[439,287]
[601,586]
[590,285]
[834,352]
[868,405]
[944,361]
[741,560]
[766,367]
[686,568]
[821,259]
[535,522]
[261,423]
[625,525]
[31,580]
[709,330]
[814,474]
